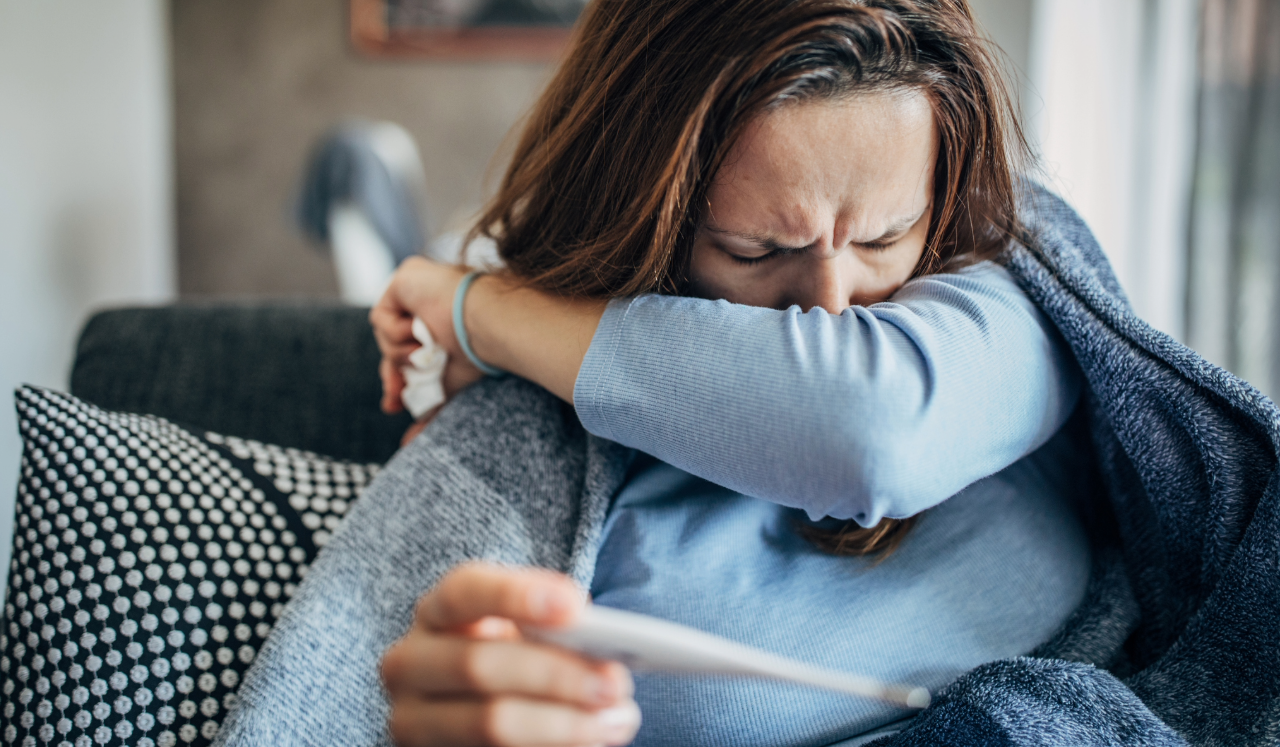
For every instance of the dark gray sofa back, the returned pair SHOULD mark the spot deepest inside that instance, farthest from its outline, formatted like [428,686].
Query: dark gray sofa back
[300,375]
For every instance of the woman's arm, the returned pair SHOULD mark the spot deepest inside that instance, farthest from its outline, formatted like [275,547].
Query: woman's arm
[880,411]
[533,335]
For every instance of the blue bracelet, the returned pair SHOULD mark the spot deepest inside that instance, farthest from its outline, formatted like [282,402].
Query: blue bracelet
[460,329]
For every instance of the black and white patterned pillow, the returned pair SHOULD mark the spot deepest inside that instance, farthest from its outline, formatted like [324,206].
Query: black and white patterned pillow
[149,564]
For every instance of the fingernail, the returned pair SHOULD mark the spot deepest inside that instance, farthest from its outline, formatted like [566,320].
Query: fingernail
[559,603]
[538,603]
[619,722]
[600,689]
[628,683]
[490,627]
[544,602]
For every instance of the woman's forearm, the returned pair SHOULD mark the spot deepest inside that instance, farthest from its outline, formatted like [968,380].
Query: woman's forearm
[532,334]
[880,411]
[876,412]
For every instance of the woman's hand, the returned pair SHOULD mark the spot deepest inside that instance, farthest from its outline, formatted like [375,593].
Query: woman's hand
[421,288]
[535,335]
[463,676]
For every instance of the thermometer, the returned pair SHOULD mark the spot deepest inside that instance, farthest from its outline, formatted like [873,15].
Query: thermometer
[650,644]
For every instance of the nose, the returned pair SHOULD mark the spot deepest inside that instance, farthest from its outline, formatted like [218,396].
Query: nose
[829,283]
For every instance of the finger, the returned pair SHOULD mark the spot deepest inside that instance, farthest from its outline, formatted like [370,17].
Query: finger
[490,629]
[389,342]
[391,324]
[435,665]
[392,375]
[389,313]
[399,354]
[394,345]
[510,722]
[476,590]
[393,384]
[392,387]
[386,308]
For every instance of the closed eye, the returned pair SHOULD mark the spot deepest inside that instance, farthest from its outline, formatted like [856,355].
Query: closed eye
[775,251]
[895,234]
[881,245]
[752,260]
[781,251]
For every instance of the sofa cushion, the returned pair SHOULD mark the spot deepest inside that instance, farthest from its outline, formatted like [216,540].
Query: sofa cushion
[149,564]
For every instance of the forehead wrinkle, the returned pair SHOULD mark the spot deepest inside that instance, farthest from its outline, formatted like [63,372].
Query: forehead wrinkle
[762,235]
[892,228]
[763,238]
[754,238]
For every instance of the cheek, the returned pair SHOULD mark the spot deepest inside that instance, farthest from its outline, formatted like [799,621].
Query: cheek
[707,275]
[904,261]
[897,264]
[697,267]
[884,274]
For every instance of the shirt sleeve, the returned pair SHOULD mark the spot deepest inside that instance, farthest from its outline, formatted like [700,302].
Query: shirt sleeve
[884,410]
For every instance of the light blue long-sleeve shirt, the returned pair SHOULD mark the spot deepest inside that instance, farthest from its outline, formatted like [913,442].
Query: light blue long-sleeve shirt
[991,573]
[880,411]
[884,410]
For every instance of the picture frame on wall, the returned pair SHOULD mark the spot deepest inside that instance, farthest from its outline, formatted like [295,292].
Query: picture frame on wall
[532,30]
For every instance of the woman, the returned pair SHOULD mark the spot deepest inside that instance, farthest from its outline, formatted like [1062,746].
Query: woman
[778,171]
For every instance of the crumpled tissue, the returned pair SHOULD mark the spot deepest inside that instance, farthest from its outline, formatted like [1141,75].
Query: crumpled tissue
[424,376]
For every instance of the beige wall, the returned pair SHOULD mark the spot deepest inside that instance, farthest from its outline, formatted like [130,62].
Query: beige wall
[257,82]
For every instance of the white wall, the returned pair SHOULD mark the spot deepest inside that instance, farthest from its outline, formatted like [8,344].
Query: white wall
[1107,92]
[1008,24]
[1113,117]
[85,186]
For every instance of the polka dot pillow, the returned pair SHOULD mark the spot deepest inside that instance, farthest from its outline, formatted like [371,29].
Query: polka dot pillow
[149,564]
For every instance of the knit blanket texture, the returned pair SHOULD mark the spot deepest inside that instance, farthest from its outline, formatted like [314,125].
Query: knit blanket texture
[1177,641]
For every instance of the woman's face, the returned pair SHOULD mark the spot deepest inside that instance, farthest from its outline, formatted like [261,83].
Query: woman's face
[820,204]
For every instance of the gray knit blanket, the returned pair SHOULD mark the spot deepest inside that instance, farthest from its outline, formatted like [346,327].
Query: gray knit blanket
[1177,641]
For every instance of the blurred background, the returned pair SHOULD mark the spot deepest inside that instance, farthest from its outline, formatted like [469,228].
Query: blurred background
[153,150]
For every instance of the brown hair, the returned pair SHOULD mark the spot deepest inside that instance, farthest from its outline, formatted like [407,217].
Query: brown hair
[609,180]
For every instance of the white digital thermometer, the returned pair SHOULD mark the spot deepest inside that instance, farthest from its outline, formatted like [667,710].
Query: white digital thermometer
[651,644]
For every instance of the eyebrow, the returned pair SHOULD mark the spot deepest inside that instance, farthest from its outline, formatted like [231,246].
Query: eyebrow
[768,242]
